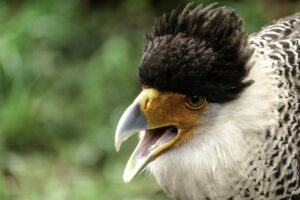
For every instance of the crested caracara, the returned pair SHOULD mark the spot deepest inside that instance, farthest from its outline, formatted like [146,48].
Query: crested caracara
[219,111]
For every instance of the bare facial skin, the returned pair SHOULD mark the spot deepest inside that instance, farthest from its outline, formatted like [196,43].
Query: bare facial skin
[167,120]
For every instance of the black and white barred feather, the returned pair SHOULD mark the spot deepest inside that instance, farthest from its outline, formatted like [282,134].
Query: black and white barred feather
[240,151]
[280,42]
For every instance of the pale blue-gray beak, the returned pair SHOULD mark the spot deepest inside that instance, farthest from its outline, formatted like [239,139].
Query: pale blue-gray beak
[131,122]
[153,139]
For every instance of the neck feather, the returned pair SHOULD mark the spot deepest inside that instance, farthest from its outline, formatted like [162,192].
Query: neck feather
[230,136]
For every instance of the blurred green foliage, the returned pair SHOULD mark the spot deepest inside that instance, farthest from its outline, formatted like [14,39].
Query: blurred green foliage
[67,71]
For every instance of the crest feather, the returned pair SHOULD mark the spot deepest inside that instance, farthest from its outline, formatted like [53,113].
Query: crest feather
[210,22]
[201,50]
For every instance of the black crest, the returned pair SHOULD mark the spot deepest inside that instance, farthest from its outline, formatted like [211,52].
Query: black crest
[199,51]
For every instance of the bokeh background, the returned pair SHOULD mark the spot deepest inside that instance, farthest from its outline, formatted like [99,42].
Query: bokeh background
[67,71]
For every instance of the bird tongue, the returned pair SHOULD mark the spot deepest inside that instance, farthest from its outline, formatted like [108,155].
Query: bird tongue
[150,143]
[153,138]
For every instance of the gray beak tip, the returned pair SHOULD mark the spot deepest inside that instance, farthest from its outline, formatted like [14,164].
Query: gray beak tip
[126,179]
[117,146]
[118,139]
[131,122]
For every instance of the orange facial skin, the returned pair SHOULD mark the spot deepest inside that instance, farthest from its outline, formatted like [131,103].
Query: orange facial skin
[167,120]
[170,109]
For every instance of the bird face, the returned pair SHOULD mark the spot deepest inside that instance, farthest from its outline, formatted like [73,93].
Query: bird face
[196,51]
[165,120]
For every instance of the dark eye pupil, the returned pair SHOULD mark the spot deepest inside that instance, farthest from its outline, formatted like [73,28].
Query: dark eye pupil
[194,102]
[195,99]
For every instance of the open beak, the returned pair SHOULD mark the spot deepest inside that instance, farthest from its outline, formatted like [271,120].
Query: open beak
[154,139]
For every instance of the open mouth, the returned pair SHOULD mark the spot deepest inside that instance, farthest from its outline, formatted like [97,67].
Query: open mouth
[152,143]
[154,139]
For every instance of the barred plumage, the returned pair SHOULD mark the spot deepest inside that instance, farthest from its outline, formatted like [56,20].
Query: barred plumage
[280,43]
[272,169]
[240,138]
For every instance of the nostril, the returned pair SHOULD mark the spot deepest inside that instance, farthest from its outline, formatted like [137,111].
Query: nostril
[146,104]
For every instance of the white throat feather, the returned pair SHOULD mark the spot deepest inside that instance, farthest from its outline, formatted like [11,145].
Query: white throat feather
[215,159]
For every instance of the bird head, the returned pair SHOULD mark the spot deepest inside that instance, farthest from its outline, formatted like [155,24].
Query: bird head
[192,58]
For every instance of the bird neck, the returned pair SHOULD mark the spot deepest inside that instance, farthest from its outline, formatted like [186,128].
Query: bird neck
[230,136]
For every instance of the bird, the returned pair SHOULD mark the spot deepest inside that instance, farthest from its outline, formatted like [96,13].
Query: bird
[218,114]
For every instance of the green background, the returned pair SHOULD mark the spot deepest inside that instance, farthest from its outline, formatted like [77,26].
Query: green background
[67,71]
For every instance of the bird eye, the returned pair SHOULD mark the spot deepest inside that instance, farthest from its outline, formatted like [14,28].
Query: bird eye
[194,102]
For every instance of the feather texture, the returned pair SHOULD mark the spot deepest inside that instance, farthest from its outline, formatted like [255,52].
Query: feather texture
[200,51]
[247,147]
